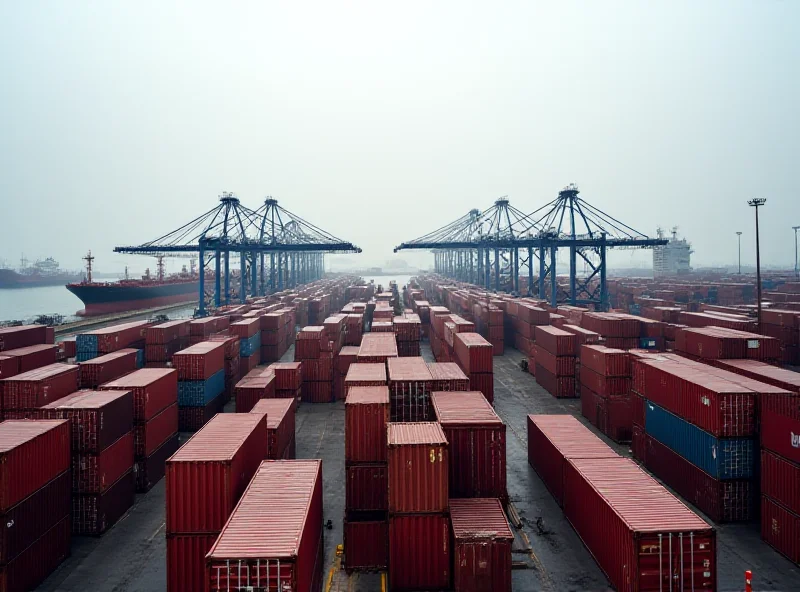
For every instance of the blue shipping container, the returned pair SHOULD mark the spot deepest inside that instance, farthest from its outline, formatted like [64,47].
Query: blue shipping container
[85,356]
[140,358]
[85,344]
[199,393]
[722,458]
[250,346]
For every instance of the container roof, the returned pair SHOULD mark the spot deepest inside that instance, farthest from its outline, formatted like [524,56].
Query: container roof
[88,399]
[424,433]
[218,440]
[367,395]
[479,518]
[459,407]
[360,371]
[13,432]
[140,378]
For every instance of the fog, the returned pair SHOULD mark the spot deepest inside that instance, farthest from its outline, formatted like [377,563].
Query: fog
[382,121]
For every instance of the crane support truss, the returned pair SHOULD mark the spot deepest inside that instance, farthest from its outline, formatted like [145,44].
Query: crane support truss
[492,247]
[276,248]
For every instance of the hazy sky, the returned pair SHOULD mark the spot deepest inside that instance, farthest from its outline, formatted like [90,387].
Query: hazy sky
[382,121]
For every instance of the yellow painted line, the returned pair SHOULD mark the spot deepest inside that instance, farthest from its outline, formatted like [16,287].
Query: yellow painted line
[383,581]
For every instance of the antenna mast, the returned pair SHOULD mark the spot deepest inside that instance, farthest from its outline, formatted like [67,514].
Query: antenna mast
[89,258]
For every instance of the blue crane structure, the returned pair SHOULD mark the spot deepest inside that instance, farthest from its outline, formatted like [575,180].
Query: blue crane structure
[277,249]
[482,247]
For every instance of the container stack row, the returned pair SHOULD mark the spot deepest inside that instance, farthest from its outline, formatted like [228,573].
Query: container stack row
[23,359]
[347,356]
[718,343]
[288,380]
[248,332]
[605,385]
[408,329]
[315,352]
[202,329]
[257,385]
[410,387]
[555,360]
[205,479]
[784,325]
[280,415]
[24,393]
[277,334]
[164,340]
[233,363]
[521,320]
[474,355]
[155,420]
[110,339]
[489,323]
[201,383]
[354,325]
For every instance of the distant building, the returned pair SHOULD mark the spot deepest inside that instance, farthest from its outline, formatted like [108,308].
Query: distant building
[672,258]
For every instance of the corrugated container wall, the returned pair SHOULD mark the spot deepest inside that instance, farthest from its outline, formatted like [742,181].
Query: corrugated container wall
[418,468]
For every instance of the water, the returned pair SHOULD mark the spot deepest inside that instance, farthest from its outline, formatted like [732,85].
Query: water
[26,303]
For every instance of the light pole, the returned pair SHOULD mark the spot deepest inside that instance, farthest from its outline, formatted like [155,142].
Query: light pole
[796,268]
[739,234]
[757,202]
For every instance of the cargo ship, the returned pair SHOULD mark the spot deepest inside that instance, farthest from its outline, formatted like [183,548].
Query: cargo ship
[101,298]
[46,272]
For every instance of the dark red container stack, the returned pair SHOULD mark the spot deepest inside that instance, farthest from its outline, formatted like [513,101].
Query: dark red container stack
[353,329]
[377,348]
[205,479]
[27,358]
[22,336]
[366,524]
[410,383]
[280,427]
[621,331]
[288,380]
[453,325]
[489,323]
[120,336]
[438,315]
[347,356]
[408,329]
[103,484]
[277,334]
[555,360]
[163,340]
[107,367]
[33,389]
[447,376]
[34,501]
[783,325]
[474,355]
[605,383]
[713,319]
[273,539]
[482,542]
[314,350]
[202,329]
[155,420]
[257,385]
[780,473]
[420,556]
[234,366]
[477,442]
[199,362]
[717,343]
[365,375]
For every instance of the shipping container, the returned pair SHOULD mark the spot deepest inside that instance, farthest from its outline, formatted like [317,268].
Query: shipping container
[473,352]
[208,474]
[763,372]
[605,386]
[93,514]
[476,439]
[418,468]
[191,419]
[780,480]
[32,453]
[288,375]
[186,561]
[154,389]
[39,387]
[34,564]
[97,418]
[555,341]
[366,417]
[367,488]
[361,374]
[780,424]
[147,437]
[722,458]
[605,360]
[644,542]
[22,524]
[31,357]
[113,338]
[273,539]
[410,384]
[200,361]
[557,365]
[168,332]
[96,472]
[22,336]
[377,347]
[366,542]
[780,528]
[199,393]
[420,556]
[107,367]
[150,470]
[280,427]
[447,376]
[731,500]
[250,390]
[611,415]
[561,387]
[482,546]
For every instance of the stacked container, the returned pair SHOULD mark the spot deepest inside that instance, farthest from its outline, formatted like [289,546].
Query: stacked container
[377,348]
[107,367]
[259,384]
[353,328]
[23,336]
[784,325]
[347,356]
[359,374]
[24,359]
[408,329]
[155,420]
[605,376]
[201,383]
[30,390]
[474,355]
[718,343]
[110,339]
[447,376]
[280,427]
[202,329]
[249,333]
[101,426]
[621,331]
[420,555]
[34,501]
[288,380]
[313,351]
[233,366]
[273,539]
[162,341]
[452,326]
[410,383]
[205,479]
[523,318]
[366,525]
[555,360]
[477,444]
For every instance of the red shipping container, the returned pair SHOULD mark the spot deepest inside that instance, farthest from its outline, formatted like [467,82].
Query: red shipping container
[207,326]
[377,347]
[418,468]
[483,383]
[280,427]
[34,564]
[780,528]
[95,473]
[248,391]
[476,439]
[163,352]
[149,436]
[150,470]
[473,352]
[186,561]
[723,501]
[366,543]
[97,418]
[246,328]
[8,367]
[605,360]
[582,336]
[39,387]
[553,440]
[116,337]
[369,374]
[410,384]
[273,539]
[780,480]
[168,332]
[605,386]
[710,343]
[23,524]
[306,349]
[639,443]
[558,365]
[629,536]
[366,416]
[763,372]
[22,336]
[447,376]
[95,513]
[482,546]
[611,415]
[318,370]
[208,474]
[317,392]
[366,489]
[200,361]
[426,564]
[231,343]
[780,424]
[107,367]
[154,389]
[556,341]
[32,357]
[32,453]
[561,387]
[192,419]
[288,375]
